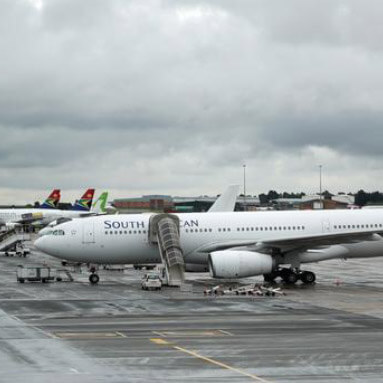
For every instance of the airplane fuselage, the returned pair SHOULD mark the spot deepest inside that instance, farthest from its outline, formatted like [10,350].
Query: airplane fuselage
[124,238]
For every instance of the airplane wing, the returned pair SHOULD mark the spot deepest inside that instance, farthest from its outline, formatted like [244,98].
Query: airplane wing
[286,244]
[226,201]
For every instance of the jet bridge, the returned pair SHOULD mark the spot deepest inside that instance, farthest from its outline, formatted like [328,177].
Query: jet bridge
[164,231]
[9,240]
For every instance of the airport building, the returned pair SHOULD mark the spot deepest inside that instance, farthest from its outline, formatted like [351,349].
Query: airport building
[168,204]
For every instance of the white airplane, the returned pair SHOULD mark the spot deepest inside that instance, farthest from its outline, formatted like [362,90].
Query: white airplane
[234,244]
[14,217]
[48,211]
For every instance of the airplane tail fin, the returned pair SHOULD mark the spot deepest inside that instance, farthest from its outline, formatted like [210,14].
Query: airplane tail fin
[226,201]
[85,202]
[99,206]
[52,201]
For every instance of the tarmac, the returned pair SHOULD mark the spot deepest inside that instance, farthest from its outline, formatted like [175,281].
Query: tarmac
[113,332]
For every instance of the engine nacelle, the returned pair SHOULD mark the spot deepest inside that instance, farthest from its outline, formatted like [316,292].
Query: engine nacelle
[239,264]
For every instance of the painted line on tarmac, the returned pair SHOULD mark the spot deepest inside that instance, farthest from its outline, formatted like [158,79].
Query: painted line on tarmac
[209,360]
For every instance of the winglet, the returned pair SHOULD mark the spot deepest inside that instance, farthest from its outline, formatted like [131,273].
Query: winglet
[52,201]
[226,201]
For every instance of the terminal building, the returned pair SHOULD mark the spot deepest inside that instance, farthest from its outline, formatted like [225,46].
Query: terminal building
[168,204]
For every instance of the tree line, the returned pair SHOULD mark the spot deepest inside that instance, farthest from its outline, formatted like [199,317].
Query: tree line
[362,198]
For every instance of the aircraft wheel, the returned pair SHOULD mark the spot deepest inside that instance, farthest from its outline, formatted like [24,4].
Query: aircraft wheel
[308,277]
[94,278]
[269,277]
[290,277]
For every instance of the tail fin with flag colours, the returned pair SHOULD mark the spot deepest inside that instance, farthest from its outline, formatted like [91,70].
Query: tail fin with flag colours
[52,201]
[85,202]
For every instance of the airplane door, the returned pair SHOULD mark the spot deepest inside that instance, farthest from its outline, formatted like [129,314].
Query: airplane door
[326,227]
[88,233]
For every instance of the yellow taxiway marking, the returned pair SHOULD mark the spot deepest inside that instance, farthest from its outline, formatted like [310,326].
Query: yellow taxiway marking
[191,333]
[159,341]
[209,360]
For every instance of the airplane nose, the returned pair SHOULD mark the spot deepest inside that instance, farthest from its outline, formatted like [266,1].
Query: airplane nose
[41,244]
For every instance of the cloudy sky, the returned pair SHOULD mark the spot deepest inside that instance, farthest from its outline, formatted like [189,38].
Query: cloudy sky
[173,97]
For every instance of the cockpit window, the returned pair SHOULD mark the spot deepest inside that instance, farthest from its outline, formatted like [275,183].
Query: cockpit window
[58,232]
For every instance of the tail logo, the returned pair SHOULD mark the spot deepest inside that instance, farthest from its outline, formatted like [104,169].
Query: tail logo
[85,202]
[52,201]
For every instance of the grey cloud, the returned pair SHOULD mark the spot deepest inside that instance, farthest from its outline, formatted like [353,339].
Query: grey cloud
[184,88]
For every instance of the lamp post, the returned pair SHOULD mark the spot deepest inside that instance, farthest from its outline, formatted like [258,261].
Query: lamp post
[320,186]
[244,188]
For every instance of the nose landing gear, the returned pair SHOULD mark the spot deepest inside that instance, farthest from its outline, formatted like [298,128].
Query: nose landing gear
[94,278]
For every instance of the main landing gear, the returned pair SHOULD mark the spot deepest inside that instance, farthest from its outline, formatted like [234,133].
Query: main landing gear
[291,276]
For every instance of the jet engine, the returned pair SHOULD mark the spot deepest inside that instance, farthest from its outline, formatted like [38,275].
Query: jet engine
[239,264]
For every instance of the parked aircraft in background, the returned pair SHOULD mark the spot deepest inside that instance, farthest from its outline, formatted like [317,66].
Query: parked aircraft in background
[233,244]
[12,217]
[47,213]
[100,206]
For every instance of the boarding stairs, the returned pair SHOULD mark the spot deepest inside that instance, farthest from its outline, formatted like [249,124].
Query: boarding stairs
[164,232]
[10,239]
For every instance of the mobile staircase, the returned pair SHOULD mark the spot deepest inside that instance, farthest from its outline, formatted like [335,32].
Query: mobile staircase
[12,240]
[164,232]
